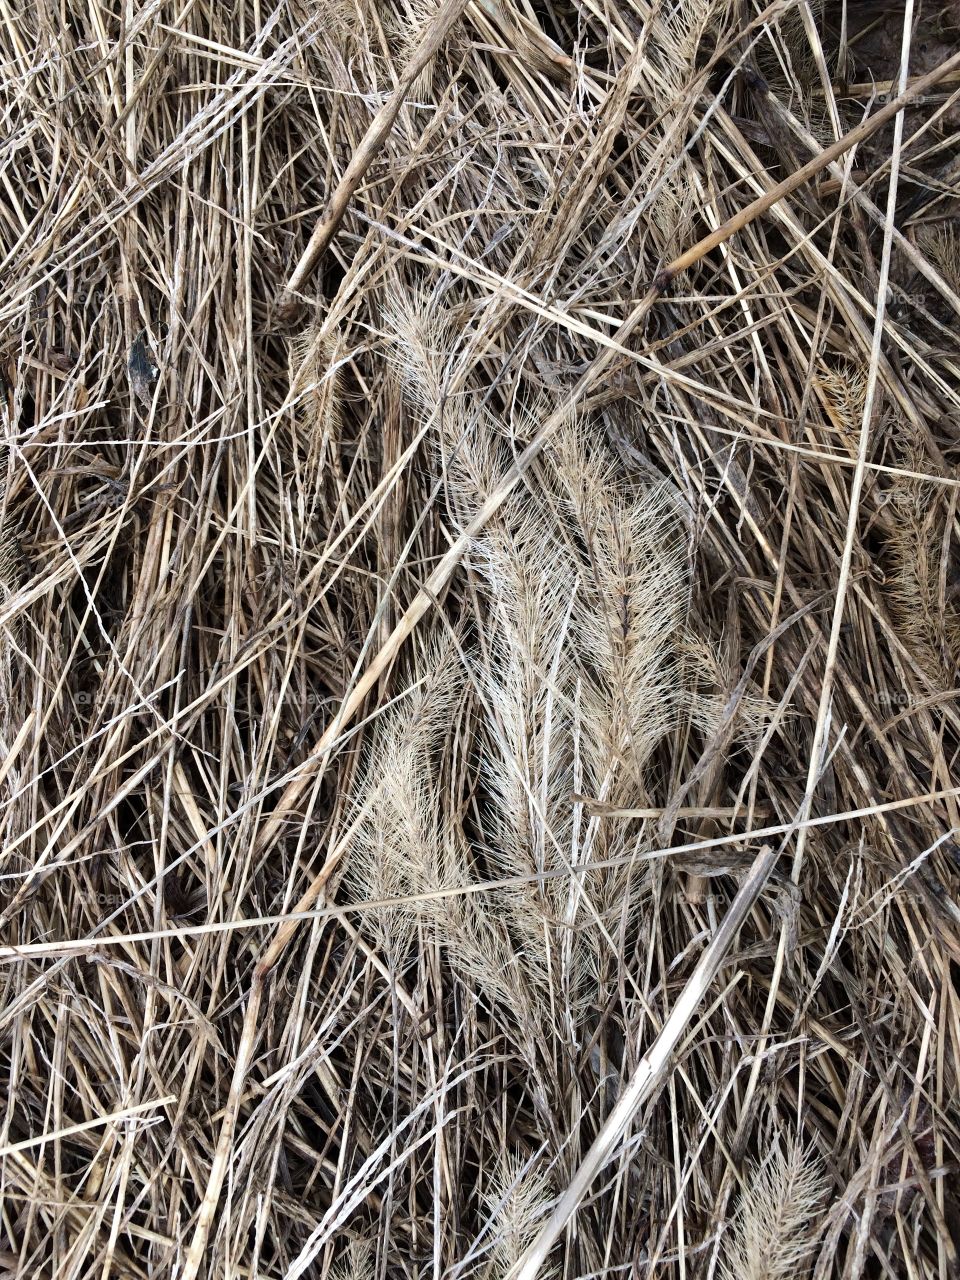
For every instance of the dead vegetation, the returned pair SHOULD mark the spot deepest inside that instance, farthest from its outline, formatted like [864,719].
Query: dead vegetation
[401,672]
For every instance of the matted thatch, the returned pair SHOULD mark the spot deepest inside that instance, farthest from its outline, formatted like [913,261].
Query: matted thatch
[479,640]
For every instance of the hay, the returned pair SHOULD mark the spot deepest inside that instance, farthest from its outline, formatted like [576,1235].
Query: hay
[478,474]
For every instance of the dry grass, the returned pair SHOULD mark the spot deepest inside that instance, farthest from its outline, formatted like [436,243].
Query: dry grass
[400,673]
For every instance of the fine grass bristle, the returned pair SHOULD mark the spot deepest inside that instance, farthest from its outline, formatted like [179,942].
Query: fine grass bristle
[774,1231]
[927,618]
[410,29]
[479,643]
[842,388]
[357,1262]
[316,357]
[941,244]
[630,607]
[398,847]
[13,564]
[518,1200]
